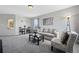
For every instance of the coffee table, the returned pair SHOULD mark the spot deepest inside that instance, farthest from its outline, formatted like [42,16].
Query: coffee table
[36,38]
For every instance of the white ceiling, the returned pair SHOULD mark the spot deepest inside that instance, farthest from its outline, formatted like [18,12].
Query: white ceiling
[35,11]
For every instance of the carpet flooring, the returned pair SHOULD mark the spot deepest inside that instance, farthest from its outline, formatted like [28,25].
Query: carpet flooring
[21,44]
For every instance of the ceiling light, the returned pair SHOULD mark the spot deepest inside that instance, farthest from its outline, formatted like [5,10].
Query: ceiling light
[30,6]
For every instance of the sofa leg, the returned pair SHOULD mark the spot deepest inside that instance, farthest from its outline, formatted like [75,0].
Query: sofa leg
[51,48]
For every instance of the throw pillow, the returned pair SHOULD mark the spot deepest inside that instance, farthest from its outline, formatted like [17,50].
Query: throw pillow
[43,30]
[48,31]
[53,31]
[65,37]
[62,34]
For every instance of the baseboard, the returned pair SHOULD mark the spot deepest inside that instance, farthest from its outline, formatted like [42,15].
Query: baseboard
[7,35]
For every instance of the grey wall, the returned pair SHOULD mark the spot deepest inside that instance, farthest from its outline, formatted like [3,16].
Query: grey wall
[75,19]
[60,20]
[4,24]
[20,22]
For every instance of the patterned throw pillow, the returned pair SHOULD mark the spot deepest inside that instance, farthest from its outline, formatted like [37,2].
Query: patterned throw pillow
[64,38]
[62,35]
[53,31]
[48,31]
[43,30]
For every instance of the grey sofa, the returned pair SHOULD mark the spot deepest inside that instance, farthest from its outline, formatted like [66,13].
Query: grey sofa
[47,33]
[56,43]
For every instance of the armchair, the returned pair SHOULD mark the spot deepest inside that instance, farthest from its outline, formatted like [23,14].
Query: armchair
[56,43]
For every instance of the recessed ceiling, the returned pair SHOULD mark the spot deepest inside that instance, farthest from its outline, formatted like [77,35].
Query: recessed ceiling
[27,12]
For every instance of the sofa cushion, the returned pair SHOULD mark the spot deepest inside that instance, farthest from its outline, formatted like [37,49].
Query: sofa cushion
[64,38]
[55,42]
[61,35]
[53,31]
[48,31]
[43,30]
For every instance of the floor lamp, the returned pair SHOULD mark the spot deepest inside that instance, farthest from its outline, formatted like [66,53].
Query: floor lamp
[68,28]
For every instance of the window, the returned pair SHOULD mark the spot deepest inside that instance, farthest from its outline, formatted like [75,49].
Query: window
[35,23]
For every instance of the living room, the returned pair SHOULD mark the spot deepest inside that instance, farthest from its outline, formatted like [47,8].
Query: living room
[17,22]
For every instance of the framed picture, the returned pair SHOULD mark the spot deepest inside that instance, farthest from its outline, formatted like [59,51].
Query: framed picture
[48,21]
[10,24]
